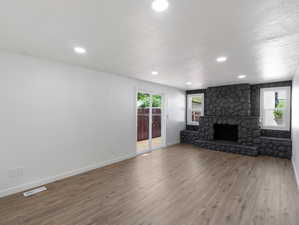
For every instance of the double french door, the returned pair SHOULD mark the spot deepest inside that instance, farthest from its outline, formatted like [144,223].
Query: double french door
[150,121]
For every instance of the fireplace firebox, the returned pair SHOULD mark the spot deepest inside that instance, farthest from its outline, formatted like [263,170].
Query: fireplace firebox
[226,132]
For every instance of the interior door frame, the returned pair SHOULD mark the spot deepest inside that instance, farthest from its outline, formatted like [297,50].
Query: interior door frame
[163,119]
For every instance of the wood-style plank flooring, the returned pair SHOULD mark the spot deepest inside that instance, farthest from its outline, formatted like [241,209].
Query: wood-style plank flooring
[180,185]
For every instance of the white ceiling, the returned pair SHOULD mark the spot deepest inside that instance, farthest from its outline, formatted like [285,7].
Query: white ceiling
[125,37]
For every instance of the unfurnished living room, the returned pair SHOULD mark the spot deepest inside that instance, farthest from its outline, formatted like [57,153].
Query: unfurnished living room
[149,112]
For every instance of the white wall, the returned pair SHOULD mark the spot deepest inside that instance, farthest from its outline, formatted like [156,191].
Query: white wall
[295,124]
[57,120]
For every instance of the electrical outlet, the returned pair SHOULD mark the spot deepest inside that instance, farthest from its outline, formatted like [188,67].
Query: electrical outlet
[15,173]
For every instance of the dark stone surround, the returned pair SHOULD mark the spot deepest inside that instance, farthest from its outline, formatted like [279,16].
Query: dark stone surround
[248,128]
[238,105]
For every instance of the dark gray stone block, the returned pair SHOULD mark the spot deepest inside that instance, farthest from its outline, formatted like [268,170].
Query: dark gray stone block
[228,147]
[189,136]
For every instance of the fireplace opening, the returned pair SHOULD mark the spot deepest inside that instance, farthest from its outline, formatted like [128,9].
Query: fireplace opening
[225,132]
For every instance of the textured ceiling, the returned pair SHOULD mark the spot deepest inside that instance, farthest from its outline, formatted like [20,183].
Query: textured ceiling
[259,37]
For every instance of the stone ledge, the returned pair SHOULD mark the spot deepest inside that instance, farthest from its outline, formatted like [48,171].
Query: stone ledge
[276,147]
[228,147]
[232,117]
[190,131]
[286,140]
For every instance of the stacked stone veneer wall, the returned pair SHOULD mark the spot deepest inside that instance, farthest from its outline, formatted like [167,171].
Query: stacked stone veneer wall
[192,127]
[189,136]
[232,100]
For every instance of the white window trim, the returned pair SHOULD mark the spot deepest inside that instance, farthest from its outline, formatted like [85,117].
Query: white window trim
[189,107]
[287,109]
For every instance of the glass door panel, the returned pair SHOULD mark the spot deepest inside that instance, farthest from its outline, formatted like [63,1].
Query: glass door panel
[157,140]
[143,119]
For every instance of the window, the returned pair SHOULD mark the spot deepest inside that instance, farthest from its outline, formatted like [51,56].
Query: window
[195,108]
[275,108]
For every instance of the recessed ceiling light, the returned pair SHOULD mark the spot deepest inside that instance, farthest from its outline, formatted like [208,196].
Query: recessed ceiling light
[242,76]
[188,83]
[221,59]
[160,5]
[80,50]
[155,73]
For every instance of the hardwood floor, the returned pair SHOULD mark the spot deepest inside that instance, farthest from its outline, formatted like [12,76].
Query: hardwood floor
[180,185]
[143,146]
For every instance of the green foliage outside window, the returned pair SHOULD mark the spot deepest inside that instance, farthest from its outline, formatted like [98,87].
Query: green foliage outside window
[281,104]
[144,100]
[157,101]
[197,100]
[278,113]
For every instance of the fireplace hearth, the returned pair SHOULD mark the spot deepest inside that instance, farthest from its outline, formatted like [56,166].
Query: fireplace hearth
[225,132]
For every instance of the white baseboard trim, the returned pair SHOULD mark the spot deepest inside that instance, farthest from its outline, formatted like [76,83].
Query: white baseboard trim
[44,181]
[296,174]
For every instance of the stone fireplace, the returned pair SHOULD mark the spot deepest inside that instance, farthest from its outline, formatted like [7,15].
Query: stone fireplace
[228,124]
[231,123]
